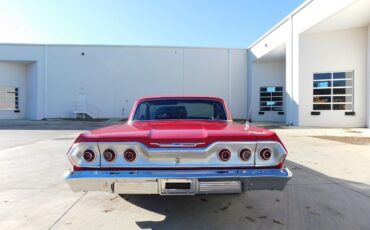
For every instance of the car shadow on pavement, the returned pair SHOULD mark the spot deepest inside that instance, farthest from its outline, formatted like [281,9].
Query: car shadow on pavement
[311,200]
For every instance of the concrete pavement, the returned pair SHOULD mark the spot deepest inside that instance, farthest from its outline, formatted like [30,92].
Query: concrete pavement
[330,189]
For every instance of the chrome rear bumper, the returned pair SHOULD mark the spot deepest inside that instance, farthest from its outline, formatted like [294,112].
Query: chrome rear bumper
[178,182]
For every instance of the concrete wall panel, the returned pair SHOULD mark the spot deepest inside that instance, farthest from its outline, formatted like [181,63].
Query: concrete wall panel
[343,50]
[267,73]
[114,77]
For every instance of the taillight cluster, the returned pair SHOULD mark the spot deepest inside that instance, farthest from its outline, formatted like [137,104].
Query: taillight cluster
[245,154]
[233,154]
[109,155]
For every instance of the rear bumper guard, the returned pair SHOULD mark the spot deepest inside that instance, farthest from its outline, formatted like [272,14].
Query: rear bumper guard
[178,182]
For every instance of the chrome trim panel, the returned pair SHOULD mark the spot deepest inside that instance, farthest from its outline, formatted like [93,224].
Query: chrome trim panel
[220,187]
[204,181]
[278,153]
[75,154]
[138,187]
[172,145]
[177,157]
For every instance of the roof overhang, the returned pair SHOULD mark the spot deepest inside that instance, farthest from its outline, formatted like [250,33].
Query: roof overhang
[312,16]
[272,42]
[355,15]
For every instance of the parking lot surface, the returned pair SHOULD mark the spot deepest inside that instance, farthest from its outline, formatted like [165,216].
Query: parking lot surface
[330,188]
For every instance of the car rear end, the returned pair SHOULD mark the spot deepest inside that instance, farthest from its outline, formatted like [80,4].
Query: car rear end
[180,168]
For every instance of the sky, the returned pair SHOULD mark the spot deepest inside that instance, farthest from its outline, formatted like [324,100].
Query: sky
[199,23]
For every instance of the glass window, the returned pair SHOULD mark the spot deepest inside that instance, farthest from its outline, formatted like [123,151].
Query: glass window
[343,75]
[321,106]
[342,107]
[271,98]
[333,91]
[321,84]
[176,109]
[342,83]
[322,76]
[271,89]
[321,91]
[321,99]
[8,98]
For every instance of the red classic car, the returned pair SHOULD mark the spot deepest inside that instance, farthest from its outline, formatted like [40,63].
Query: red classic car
[178,145]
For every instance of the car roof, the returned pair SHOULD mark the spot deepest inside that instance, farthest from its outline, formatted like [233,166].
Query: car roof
[180,97]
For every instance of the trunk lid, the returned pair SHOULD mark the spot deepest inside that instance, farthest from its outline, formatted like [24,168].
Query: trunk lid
[177,134]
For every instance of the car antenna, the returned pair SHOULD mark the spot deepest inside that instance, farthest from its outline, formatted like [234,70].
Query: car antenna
[246,125]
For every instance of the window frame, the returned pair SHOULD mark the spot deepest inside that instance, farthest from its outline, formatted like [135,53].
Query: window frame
[271,96]
[225,111]
[331,88]
[8,90]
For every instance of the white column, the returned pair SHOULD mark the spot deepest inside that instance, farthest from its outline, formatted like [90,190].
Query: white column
[251,94]
[295,78]
[292,76]
[288,77]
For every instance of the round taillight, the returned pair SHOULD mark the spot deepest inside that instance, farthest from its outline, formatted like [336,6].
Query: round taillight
[89,155]
[109,155]
[129,155]
[265,154]
[245,154]
[224,154]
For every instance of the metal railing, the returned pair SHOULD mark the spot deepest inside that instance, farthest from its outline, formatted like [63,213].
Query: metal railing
[88,109]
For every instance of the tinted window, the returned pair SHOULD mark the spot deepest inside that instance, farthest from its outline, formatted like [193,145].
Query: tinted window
[175,109]
[333,91]
[8,98]
[341,75]
[271,98]
[322,76]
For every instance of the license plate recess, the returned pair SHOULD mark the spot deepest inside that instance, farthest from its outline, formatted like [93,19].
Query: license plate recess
[177,186]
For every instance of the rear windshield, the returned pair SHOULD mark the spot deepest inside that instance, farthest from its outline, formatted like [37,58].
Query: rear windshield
[176,109]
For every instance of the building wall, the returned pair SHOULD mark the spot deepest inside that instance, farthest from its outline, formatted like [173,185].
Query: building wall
[266,73]
[34,58]
[238,86]
[332,51]
[113,77]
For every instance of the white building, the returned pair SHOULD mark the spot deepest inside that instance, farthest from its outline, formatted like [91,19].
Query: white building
[53,81]
[311,69]
[320,55]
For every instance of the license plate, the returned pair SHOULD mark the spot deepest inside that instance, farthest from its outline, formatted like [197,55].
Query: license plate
[177,186]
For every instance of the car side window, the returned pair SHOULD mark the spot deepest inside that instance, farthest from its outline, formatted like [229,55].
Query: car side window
[142,112]
[219,112]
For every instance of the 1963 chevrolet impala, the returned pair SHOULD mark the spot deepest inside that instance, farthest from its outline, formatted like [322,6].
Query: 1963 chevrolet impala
[178,145]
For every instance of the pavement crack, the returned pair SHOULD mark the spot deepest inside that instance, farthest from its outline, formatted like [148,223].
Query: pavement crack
[67,211]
